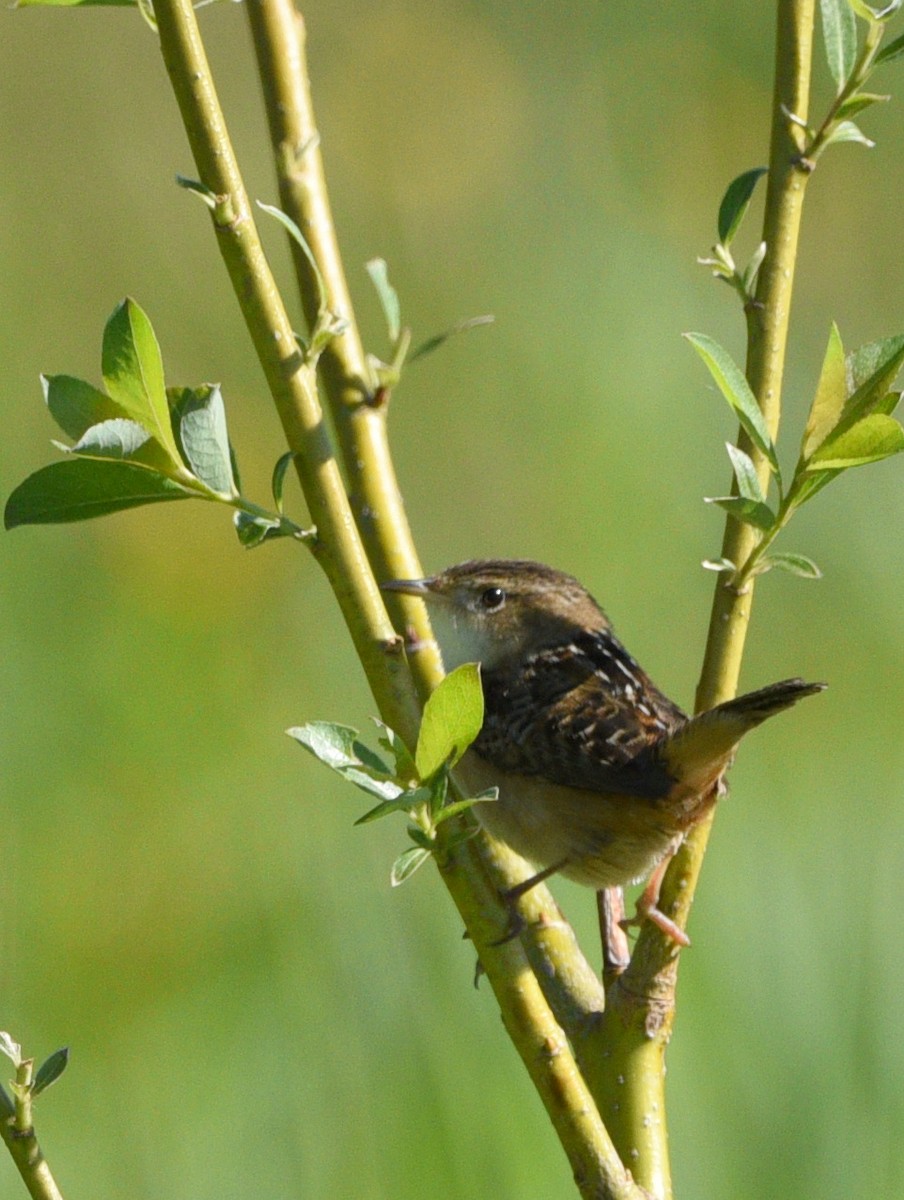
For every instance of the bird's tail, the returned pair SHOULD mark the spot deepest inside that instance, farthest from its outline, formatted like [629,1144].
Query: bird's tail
[699,751]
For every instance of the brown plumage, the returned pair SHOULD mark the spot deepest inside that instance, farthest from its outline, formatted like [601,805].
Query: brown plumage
[600,775]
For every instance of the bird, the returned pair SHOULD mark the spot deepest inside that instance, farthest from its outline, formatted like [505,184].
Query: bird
[600,775]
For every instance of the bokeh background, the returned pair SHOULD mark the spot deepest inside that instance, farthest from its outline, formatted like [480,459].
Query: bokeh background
[251,1010]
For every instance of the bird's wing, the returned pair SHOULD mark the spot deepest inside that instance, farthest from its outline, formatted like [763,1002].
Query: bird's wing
[582,715]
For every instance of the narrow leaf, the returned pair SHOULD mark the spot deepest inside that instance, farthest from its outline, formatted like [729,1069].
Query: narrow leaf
[735,203]
[76,405]
[750,512]
[839,35]
[893,50]
[299,239]
[200,417]
[847,131]
[718,564]
[407,863]
[795,564]
[858,102]
[404,802]
[452,719]
[133,373]
[85,487]
[831,393]
[278,480]
[460,806]
[433,343]
[50,1071]
[389,297]
[333,744]
[10,1048]
[745,473]
[870,440]
[736,390]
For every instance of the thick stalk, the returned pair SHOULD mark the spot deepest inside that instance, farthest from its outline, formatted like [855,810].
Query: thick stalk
[290,378]
[640,1005]
[537,1035]
[17,1131]
[279,39]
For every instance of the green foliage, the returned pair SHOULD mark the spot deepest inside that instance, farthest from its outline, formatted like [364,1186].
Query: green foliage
[417,784]
[386,375]
[50,1071]
[139,442]
[849,425]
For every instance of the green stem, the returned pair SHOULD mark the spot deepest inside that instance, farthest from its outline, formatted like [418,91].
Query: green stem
[861,72]
[629,1082]
[17,1132]
[363,445]
[362,432]
[291,381]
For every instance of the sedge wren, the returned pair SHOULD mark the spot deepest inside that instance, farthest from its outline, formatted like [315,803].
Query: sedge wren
[600,775]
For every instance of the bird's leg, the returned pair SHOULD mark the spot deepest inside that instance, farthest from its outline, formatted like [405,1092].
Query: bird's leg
[511,897]
[610,903]
[648,908]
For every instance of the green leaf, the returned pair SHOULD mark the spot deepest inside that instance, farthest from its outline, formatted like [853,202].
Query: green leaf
[735,203]
[736,390]
[831,394]
[407,863]
[859,101]
[433,343]
[839,35]
[85,487]
[751,512]
[795,564]
[133,373]
[892,51]
[404,802]
[299,239]
[405,768]
[745,473]
[459,806]
[847,131]
[337,746]
[10,1048]
[452,719]
[877,365]
[278,480]
[200,417]
[50,1071]
[389,297]
[117,438]
[253,529]
[76,405]
[873,438]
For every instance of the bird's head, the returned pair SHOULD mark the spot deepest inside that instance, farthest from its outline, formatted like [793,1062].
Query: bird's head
[499,611]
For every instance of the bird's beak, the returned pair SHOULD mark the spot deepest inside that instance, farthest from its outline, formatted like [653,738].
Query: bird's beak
[408,587]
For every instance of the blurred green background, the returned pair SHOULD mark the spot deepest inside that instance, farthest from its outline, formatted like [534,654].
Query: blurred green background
[251,1010]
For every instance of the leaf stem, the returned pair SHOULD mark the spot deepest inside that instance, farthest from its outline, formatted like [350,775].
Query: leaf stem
[17,1132]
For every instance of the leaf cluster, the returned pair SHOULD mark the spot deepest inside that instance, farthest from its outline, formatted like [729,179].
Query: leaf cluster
[140,442]
[417,784]
[849,425]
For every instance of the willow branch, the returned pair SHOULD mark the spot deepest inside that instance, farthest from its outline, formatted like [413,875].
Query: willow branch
[532,1025]
[289,375]
[362,429]
[18,1134]
[640,1009]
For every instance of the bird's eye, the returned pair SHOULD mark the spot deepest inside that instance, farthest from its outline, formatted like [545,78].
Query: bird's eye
[492,599]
